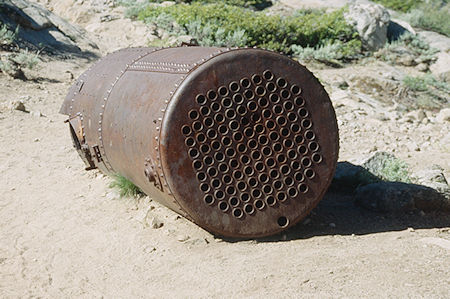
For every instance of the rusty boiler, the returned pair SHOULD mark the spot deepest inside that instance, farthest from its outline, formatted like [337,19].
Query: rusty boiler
[243,142]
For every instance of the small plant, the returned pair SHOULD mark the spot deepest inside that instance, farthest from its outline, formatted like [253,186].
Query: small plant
[408,44]
[26,59]
[207,36]
[330,52]
[400,5]
[125,187]
[13,64]
[432,16]
[7,37]
[427,91]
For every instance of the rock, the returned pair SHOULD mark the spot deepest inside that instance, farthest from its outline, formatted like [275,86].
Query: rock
[400,197]
[434,178]
[155,223]
[397,28]
[441,68]
[36,114]
[443,115]
[349,176]
[39,26]
[436,40]
[17,105]
[182,238]
[415,116]
[112,195]
[187,40]
[371,21]
[422,67]
[11,67]
[167,3]
[377,163]
[407,60]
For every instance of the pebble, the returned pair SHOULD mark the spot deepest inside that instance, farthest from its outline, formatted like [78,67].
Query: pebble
[182,238]
[155,223]
[36,113]
[17,105]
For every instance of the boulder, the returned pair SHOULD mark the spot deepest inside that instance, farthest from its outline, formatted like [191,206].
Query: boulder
[400,197]
[436,40]
[441,68]
[40,29]
[371,21]
[443,115]
[397,28]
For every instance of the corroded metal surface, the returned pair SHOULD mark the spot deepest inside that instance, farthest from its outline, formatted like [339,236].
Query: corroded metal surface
[243,142]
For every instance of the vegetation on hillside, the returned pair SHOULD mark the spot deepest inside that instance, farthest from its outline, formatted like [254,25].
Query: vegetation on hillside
[13,63]
[216,21]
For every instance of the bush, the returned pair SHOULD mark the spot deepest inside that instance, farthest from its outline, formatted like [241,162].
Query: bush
[236,24]
[428,92]
[407,44]
[328,53]
[434,17]
[125,187]
[425,83]
[400,5]
[7,37]
[13,64]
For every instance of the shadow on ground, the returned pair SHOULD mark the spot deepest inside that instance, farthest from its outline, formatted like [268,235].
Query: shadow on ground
[339,214]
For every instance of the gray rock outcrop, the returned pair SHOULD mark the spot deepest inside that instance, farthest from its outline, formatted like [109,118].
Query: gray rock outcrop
[371,21]
[400,197]
[40,29]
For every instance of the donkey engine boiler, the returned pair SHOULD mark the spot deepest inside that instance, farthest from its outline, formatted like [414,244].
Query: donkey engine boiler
[243,142]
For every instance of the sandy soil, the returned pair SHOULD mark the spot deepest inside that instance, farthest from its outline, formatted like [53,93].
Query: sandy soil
[64,233]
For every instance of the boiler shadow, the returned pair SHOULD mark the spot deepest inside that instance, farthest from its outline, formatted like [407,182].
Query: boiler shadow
[339,214]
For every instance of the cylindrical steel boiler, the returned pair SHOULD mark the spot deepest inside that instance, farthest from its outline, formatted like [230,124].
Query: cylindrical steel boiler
[243,142]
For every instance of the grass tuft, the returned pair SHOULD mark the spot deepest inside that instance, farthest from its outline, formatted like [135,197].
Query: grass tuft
[125,187]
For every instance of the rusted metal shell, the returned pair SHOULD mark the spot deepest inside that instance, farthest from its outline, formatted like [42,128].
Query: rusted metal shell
[243,142]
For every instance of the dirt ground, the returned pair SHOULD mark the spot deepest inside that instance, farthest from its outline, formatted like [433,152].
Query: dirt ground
[65,233]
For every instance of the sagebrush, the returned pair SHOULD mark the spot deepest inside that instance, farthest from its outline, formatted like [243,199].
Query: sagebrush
[227,24]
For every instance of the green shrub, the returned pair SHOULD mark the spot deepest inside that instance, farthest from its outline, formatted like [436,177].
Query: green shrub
[273,32]
[427,91]
[425,83]
[125,187]
[7,37]
[434,17]
[407,44]
[400,5]
[26,59]
[328,53]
